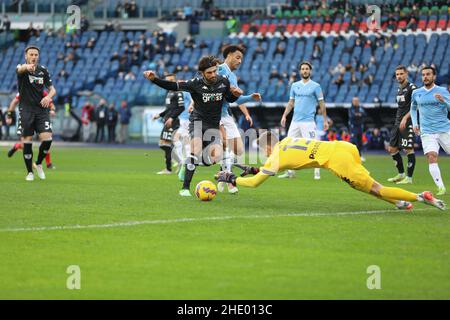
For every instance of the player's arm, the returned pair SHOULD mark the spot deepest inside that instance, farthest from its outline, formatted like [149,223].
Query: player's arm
[251,182]
[23,68]
[10,110]
[404,120]
[319,96]
[413,114]
[246,113]
[287,110]
[443,97]
[233,93]
[180,106]
[168,85]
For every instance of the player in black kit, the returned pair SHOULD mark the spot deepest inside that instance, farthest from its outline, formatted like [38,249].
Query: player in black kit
[174,107]
[34,108]
[208,93]
[402,134]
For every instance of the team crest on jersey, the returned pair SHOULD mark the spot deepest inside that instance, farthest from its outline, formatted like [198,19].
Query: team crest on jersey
[36,80]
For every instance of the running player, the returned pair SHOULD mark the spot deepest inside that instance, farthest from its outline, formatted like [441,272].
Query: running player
[19,145]
[340,157]
[233,145]
[34,112]
[174,107]
[209,93]
[402,134]
[304,97]
[433,103]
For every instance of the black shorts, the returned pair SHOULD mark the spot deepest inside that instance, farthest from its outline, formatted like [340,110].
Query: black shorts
[167,133]
[34,121]
[402,139]
[208,132]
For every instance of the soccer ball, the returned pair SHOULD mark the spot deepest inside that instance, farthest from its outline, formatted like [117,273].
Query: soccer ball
[205,190]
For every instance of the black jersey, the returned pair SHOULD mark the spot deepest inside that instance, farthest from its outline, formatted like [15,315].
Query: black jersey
[31,88]
[208,98]
[403,101]
[174,105]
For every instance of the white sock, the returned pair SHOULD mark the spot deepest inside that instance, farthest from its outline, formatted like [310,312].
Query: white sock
[436,174]
[178,148]
[291,173]
[227,161]
[317,172]
[187,149]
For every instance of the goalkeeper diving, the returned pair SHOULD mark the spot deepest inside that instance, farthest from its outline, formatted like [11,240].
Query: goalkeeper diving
[340,157]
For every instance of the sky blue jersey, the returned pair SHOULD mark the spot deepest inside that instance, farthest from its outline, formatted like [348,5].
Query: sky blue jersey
[187,100]
[306,98]
[433,114]
[224,70]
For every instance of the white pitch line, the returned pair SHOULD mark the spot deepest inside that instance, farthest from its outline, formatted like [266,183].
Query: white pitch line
[180,220]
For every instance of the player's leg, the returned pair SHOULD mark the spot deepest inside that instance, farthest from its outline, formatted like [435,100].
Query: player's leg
[309,130]
[431,147]
[223,165]
[48,161]
[444,142]
[294,132]
[394,151]
[234,147]
[407,143]
[191,164]
[166,147]
[178,147]
[28,128]
[44,129]
[18,145]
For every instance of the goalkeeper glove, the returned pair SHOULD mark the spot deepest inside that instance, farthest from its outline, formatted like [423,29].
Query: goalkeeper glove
[246,170]
[227,177]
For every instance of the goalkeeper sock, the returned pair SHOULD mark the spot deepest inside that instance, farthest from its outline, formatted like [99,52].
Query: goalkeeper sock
[43,150]
[398,162]
[191,165]
[28,155]
[397,194]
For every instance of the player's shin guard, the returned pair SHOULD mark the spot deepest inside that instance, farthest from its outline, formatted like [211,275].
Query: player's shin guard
[388,194]
[168,156]
[436,174]
[28,155]
[43,150]
[398,162]
[411,164]
[191,164]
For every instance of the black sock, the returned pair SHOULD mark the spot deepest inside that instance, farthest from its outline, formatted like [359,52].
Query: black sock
[28,155]
[191,165]
[168,155]
[411,164]
[398,162]
[43,150]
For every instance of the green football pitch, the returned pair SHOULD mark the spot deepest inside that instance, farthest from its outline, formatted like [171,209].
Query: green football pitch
[132,237]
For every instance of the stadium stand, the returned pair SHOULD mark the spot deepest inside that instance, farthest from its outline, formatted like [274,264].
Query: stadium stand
[349,60]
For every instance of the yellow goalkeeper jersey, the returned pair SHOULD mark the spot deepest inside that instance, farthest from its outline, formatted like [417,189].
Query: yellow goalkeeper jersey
[294,154]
